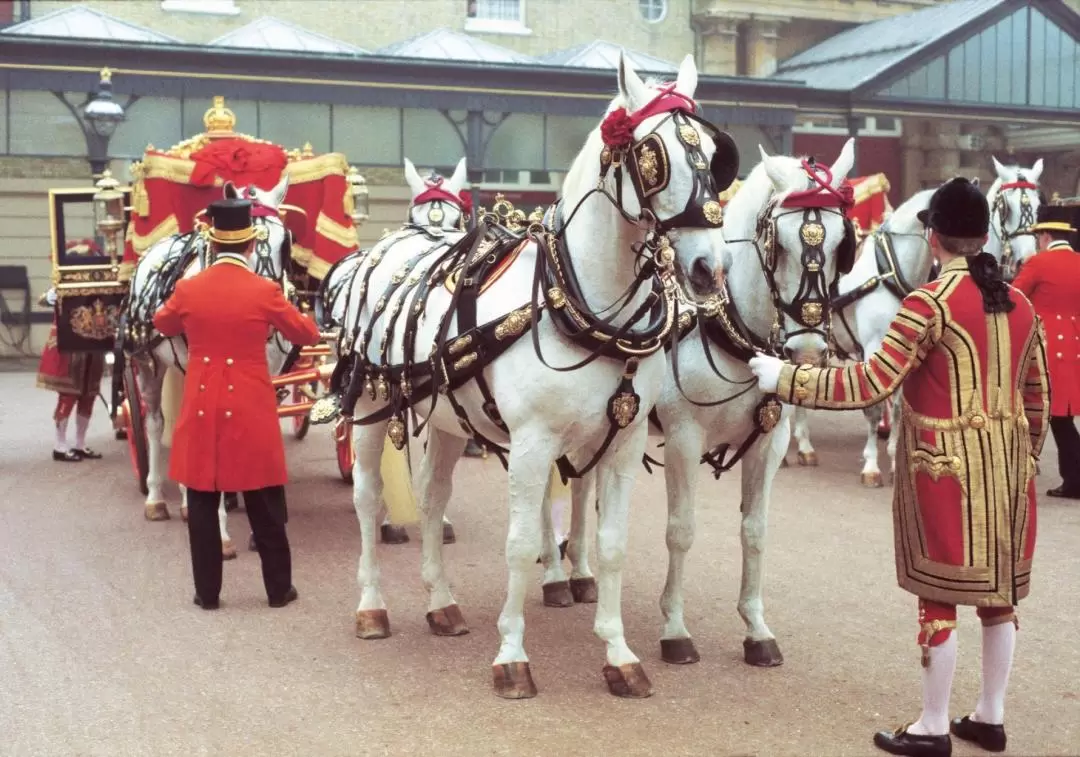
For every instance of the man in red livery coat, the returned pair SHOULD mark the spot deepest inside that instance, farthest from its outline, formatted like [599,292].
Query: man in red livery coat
[76,379]
[1051,280]
[970,353]
[228,437]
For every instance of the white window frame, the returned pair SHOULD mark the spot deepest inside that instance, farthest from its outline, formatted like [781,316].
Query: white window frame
[826,125]
[498,25]
[523,184]
[663,11]
[205,7]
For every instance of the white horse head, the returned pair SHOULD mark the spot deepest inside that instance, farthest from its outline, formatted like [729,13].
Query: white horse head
[273,247]
[780,267]
[436,201]
[660,137]
[1014,200]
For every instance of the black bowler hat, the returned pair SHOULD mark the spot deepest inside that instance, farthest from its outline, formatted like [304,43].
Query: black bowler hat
[230,222]
[1057,218]
[957,209]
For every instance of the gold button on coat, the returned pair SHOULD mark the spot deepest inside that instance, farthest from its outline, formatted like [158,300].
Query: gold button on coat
[200,413]
[228,413]
[202,387]
[230,387]
[206,360]
[228,361]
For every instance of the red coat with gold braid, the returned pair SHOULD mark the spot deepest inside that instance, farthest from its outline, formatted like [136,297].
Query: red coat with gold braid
[975,409]
[1051,280]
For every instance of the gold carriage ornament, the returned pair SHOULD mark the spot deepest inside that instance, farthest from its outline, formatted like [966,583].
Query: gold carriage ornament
[358,198]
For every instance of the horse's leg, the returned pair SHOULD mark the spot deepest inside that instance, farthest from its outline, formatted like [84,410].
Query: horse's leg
[871,473]
[582,582]
[530,469]
[436,484]
[372,621]
[556,588]
[759,467]
[682,454]
[228,549]
[624,674]
[894,435]
[807,453]
[150,386]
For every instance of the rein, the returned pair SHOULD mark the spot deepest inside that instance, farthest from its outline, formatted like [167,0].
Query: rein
[1001,215]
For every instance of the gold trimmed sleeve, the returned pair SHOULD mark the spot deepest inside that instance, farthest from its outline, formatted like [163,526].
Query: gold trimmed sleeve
[913,333]
[1037,390]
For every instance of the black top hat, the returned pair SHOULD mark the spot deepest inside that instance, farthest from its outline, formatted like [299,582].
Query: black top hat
[957,209]
[1057,218]
[230,222]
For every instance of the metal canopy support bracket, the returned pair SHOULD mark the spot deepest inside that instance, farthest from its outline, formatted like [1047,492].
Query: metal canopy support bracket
[475,131]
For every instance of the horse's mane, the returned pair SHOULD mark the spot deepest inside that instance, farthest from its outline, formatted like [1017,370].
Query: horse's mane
[904,217]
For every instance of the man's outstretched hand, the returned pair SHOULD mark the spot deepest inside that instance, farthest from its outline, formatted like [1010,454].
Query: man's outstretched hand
[767,370]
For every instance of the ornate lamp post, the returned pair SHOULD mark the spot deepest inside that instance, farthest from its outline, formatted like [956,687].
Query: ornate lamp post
[109,215]
[101,115]
[361,198]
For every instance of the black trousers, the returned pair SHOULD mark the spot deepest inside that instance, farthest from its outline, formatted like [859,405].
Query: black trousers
[1068,446]
[267,514]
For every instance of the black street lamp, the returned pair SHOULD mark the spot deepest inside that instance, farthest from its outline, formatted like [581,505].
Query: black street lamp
[102,114]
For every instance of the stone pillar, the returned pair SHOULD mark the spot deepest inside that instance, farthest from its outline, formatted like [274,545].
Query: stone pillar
[761,36]
[943,148]
[912,158]
[717,38]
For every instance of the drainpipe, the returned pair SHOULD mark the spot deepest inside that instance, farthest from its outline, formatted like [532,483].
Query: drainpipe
[24,10]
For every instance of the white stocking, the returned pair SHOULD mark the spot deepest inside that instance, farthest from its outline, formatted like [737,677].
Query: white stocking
[61,434]
[937,680]
[998,644]
[82,423]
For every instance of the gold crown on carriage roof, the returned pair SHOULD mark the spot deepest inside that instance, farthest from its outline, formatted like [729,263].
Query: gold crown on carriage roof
[219,120]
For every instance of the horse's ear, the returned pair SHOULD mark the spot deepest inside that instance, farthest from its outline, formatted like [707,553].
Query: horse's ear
[687,81]
[412,177]
[631,87]
[844,162]
[975,181]
[455,183]
[276,196]
[1000,169]
[771,171]
[1036,171]
[229,191]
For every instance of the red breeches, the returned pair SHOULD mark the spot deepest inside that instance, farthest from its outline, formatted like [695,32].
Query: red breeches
[936,620]
[65,403]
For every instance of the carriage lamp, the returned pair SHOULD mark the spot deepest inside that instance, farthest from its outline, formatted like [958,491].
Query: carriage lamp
[101,115]
[361,204]
[109,212]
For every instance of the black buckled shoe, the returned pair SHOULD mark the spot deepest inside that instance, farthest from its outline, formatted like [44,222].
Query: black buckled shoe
[71,456]
[87,454]
[206,605]
[1063,492]
[987,735]
[913,745]
[290,596]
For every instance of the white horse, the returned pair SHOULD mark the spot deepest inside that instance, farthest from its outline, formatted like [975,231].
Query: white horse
[894,260]
[711,410]
[606,262]
[1014,200]
[145,298]
[435,214]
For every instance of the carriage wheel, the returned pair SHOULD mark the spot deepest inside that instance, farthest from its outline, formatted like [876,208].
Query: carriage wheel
[345,456]
[135,426]
[301,423]
[885,426]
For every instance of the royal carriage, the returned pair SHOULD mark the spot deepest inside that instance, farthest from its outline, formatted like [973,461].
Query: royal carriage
[325,202]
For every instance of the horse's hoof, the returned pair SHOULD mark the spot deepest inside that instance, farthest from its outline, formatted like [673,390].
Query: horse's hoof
[183,513]
[784,463]
[228,550]
[252,546]
[808,458]
[391,534]
[514,680]
[583,590]
[372,624]
[628,681]
[679,651]
[762,654]
[447,621]
[558,594]
[872,480]
[448,536]
[156,511]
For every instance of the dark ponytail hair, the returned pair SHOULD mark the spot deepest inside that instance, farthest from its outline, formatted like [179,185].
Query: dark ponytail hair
[986,273]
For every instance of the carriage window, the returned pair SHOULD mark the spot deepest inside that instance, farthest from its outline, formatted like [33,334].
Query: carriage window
[495,16]
[150,120]
[653,11]
[45,125]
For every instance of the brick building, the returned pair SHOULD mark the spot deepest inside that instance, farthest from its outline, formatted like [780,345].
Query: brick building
[516,84]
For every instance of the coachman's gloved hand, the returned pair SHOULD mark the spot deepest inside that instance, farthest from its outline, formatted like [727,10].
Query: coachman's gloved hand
[767,370]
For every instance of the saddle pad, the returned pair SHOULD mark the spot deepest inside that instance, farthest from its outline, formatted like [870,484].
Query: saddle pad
[452,280]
